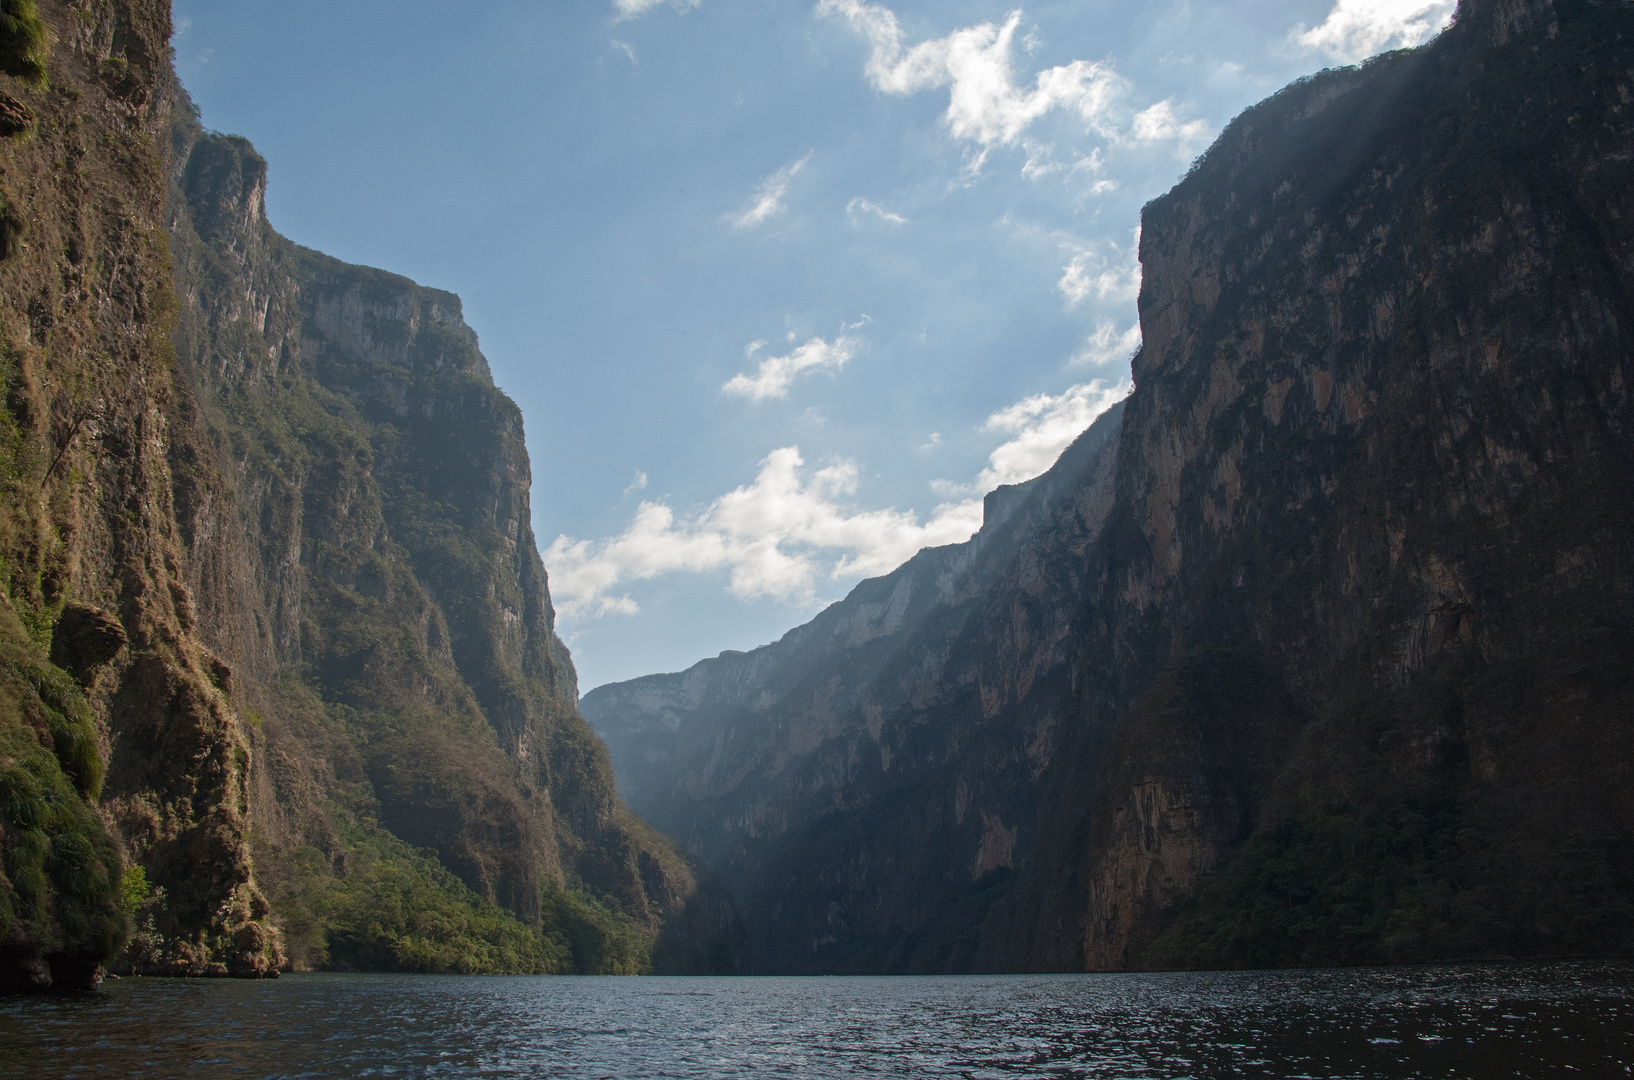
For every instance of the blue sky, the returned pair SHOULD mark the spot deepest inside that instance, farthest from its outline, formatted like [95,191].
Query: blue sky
[781,286]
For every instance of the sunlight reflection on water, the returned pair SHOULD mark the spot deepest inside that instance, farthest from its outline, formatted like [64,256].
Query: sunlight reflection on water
[1476,1021]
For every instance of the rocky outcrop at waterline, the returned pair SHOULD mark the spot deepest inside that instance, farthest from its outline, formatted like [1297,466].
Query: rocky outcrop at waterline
[1327,659]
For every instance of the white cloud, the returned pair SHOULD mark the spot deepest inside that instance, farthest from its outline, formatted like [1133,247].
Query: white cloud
[1356,29]
[860,205]
[1160,124]
[776,537]
[637,484]
[629,9]
[985,106]
[1106,345]
[789,529]
[1040,427]
[767,201]
[626,48]
[1105,271]
[183,25]
[775,374]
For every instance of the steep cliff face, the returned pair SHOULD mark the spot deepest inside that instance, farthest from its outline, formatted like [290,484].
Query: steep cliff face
[105,671]
[1381,447]
[277,657]
[362,557]
[869,784]
[1341,673]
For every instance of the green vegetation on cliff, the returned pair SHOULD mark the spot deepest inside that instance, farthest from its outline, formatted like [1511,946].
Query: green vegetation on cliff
[61,872]
[25,42]
[121,755]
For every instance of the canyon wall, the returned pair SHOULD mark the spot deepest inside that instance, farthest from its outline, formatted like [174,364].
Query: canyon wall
[121,743]
[282,684]
[1338,668]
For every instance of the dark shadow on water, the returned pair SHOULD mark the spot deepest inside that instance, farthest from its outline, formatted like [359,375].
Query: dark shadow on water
[1495,1020]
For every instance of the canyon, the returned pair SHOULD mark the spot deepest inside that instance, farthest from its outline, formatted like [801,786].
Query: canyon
[1316,652]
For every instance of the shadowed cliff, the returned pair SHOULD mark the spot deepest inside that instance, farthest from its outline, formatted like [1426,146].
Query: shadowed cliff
[1338,671]
[867,784]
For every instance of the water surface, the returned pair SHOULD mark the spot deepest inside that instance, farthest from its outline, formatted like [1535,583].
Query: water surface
[1573,1019]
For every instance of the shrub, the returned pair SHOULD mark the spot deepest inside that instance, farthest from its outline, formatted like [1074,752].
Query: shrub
[24,42]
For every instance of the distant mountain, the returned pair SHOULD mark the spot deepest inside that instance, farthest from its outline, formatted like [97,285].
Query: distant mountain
[1321,652]
[820,765]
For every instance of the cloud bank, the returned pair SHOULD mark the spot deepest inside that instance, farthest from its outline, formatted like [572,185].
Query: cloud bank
[775,537]
[1356,29]
[791,528]
[1040,427]
[775,374]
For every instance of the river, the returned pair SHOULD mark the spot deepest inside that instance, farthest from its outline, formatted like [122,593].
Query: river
[1529,1020]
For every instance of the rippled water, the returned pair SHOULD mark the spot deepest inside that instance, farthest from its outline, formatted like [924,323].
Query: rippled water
[1476,1021]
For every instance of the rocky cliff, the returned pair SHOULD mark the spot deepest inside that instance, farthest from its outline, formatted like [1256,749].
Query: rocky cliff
[282,685]
[1336,668]
[362,556]
[120,745]
[869,784]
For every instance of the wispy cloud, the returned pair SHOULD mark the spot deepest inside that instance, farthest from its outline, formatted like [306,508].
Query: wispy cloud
[629,9]
[860,206]
[626,48]
[1356,29]
[1040,427]
[1160,123]
[639,483]
[767,201]
[1104,271]
[793,528]
[1107,345]
[774,375]
[985,105]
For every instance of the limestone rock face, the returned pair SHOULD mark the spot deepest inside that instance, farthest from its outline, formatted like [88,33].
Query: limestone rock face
[279,680]
[362,556]
[870,783]
[140,758]
[1339,671]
